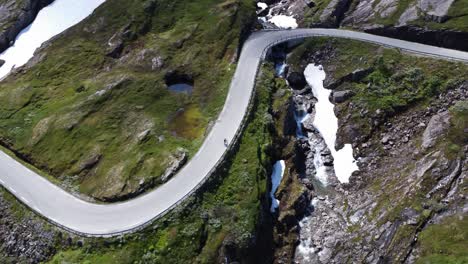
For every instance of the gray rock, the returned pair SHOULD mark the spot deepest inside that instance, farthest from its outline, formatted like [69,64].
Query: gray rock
[386,139]
[435,10]
[177,161]
[157,63]
[410,216]
[438,125]
[341,96]
[143,135]
[2,62]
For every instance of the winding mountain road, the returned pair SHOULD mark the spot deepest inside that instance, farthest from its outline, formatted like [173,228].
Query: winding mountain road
[75,215]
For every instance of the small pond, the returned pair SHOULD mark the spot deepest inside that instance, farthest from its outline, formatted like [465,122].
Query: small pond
[181,88]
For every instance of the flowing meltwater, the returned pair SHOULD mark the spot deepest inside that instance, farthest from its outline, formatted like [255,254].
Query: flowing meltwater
[50,21]
[327,124]
[276,176]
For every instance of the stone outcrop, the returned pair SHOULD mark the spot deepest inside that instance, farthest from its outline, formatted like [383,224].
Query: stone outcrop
[368,16]
[444,38]
[177,161]
[334,13]
[15,16]
[438,125]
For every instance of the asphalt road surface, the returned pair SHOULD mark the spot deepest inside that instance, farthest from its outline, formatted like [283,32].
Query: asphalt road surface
[73,214]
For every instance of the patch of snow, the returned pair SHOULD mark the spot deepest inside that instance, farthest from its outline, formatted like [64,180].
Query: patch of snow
[327,124]
[276,176]
[283,21]
[262,6]
[50,21]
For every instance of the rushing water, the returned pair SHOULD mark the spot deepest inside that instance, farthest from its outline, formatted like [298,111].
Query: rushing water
[276,176]
[50,21]
[300,117]
[305,249]
[327,124]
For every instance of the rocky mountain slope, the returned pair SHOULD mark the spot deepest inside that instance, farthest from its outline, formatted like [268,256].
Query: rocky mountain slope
[407,119]
[98,94]
[15,15]
[443,23]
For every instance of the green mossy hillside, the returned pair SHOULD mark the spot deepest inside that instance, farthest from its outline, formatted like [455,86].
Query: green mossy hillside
[225,220]
[93,109]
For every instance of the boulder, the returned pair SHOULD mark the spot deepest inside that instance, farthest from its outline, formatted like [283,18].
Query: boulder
[341,96]
[438,125]
[177,161]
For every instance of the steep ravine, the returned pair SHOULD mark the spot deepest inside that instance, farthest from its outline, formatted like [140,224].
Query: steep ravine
[410,178]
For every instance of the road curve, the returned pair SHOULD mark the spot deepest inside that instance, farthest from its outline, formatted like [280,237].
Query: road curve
[89,219]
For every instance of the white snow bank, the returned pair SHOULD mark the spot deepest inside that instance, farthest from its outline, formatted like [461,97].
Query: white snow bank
[327,124]
[283,21]
[276,176]
[262,5]
[50,21]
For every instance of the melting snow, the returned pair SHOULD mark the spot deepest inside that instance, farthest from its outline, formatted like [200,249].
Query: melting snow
[283,21]
[327,124]
[50,21]
[276,176]
[262,6]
